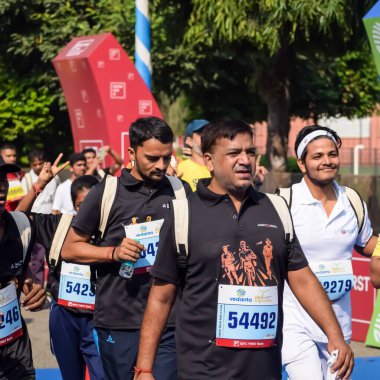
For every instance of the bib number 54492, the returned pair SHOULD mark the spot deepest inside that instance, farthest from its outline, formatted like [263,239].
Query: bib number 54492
[251,320]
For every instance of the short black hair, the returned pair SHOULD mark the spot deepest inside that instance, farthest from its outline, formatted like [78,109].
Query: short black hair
[147,128]
[36,154]
[311,128]
[89,150]
[227,129]
[84,182]
[7,146]
[75,157]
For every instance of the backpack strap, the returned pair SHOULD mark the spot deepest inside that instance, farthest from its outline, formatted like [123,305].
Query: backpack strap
[283,212]
[24,229]
[108,198]
[178,188]
[181,230]
[181,220]
[101,173]
[357,204]
[59,238]
[29,182]
[287,194]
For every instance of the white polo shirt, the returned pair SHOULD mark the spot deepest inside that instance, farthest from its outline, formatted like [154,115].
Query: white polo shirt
[62,199]
[323,239]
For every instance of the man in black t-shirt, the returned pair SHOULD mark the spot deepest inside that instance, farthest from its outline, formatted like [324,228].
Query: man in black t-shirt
[228,330]
[15,349]
[143,194]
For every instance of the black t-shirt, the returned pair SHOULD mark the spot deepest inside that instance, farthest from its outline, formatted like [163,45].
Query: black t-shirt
[217,232]
[120,302]
[12,265]
[15,357]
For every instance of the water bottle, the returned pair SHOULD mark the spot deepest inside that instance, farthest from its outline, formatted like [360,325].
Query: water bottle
[126,269]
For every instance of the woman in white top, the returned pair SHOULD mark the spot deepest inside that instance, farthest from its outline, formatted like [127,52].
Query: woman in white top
[328,230]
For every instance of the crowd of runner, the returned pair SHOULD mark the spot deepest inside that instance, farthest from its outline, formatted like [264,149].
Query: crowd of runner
[182,269]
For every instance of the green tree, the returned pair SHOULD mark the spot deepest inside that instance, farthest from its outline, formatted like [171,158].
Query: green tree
[32,106]
[251,59]
[306,58]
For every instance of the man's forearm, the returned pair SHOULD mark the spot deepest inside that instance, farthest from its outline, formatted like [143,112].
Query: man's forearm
[155,318]
[83,252]
[314,300]
[27,202]
[375,271]
[368,249]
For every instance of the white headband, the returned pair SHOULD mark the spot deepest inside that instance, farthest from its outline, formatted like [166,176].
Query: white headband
[311,136]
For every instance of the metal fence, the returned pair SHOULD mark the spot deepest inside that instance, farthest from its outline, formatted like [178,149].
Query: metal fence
[369,160]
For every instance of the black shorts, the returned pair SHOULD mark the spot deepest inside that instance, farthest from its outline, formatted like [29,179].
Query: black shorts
[16,359]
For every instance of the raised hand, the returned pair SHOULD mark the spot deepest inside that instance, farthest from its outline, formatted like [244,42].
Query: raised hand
[49,171]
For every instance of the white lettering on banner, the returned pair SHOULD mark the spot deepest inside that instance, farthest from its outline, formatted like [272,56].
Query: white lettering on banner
[118,90]
[114,54]
[101,64]
[84,95]
[376,331]
[79,48]
[361,283]
[145,107]
[131,76]
[73,66]
[99,113]
[120,118]
[79,118]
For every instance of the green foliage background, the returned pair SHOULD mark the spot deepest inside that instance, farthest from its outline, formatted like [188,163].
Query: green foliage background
[210,59]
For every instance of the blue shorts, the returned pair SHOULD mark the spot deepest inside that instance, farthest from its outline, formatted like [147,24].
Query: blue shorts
[73,345]
[119,348]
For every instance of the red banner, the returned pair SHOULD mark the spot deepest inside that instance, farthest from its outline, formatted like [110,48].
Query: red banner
[103,91]
[363,298]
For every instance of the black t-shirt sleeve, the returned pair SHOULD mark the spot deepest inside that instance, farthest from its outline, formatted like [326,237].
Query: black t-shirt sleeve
[45,226]
[88,217]
[165,267]
[296,257]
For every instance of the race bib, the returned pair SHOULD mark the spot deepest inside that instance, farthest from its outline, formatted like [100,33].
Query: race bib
[146,234]
[247,316]
[335,276]
[75,287]
[11,326]
[16,191]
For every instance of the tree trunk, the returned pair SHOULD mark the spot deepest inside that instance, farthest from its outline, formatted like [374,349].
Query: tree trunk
[274,90]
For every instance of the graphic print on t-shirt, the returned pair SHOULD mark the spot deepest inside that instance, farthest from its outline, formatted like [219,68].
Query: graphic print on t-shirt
[246,266]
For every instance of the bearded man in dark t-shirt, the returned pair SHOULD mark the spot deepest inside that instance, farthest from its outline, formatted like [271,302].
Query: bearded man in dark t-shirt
[142,195]
[224,330]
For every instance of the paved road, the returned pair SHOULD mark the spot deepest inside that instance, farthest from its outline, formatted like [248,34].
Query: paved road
[43,358]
